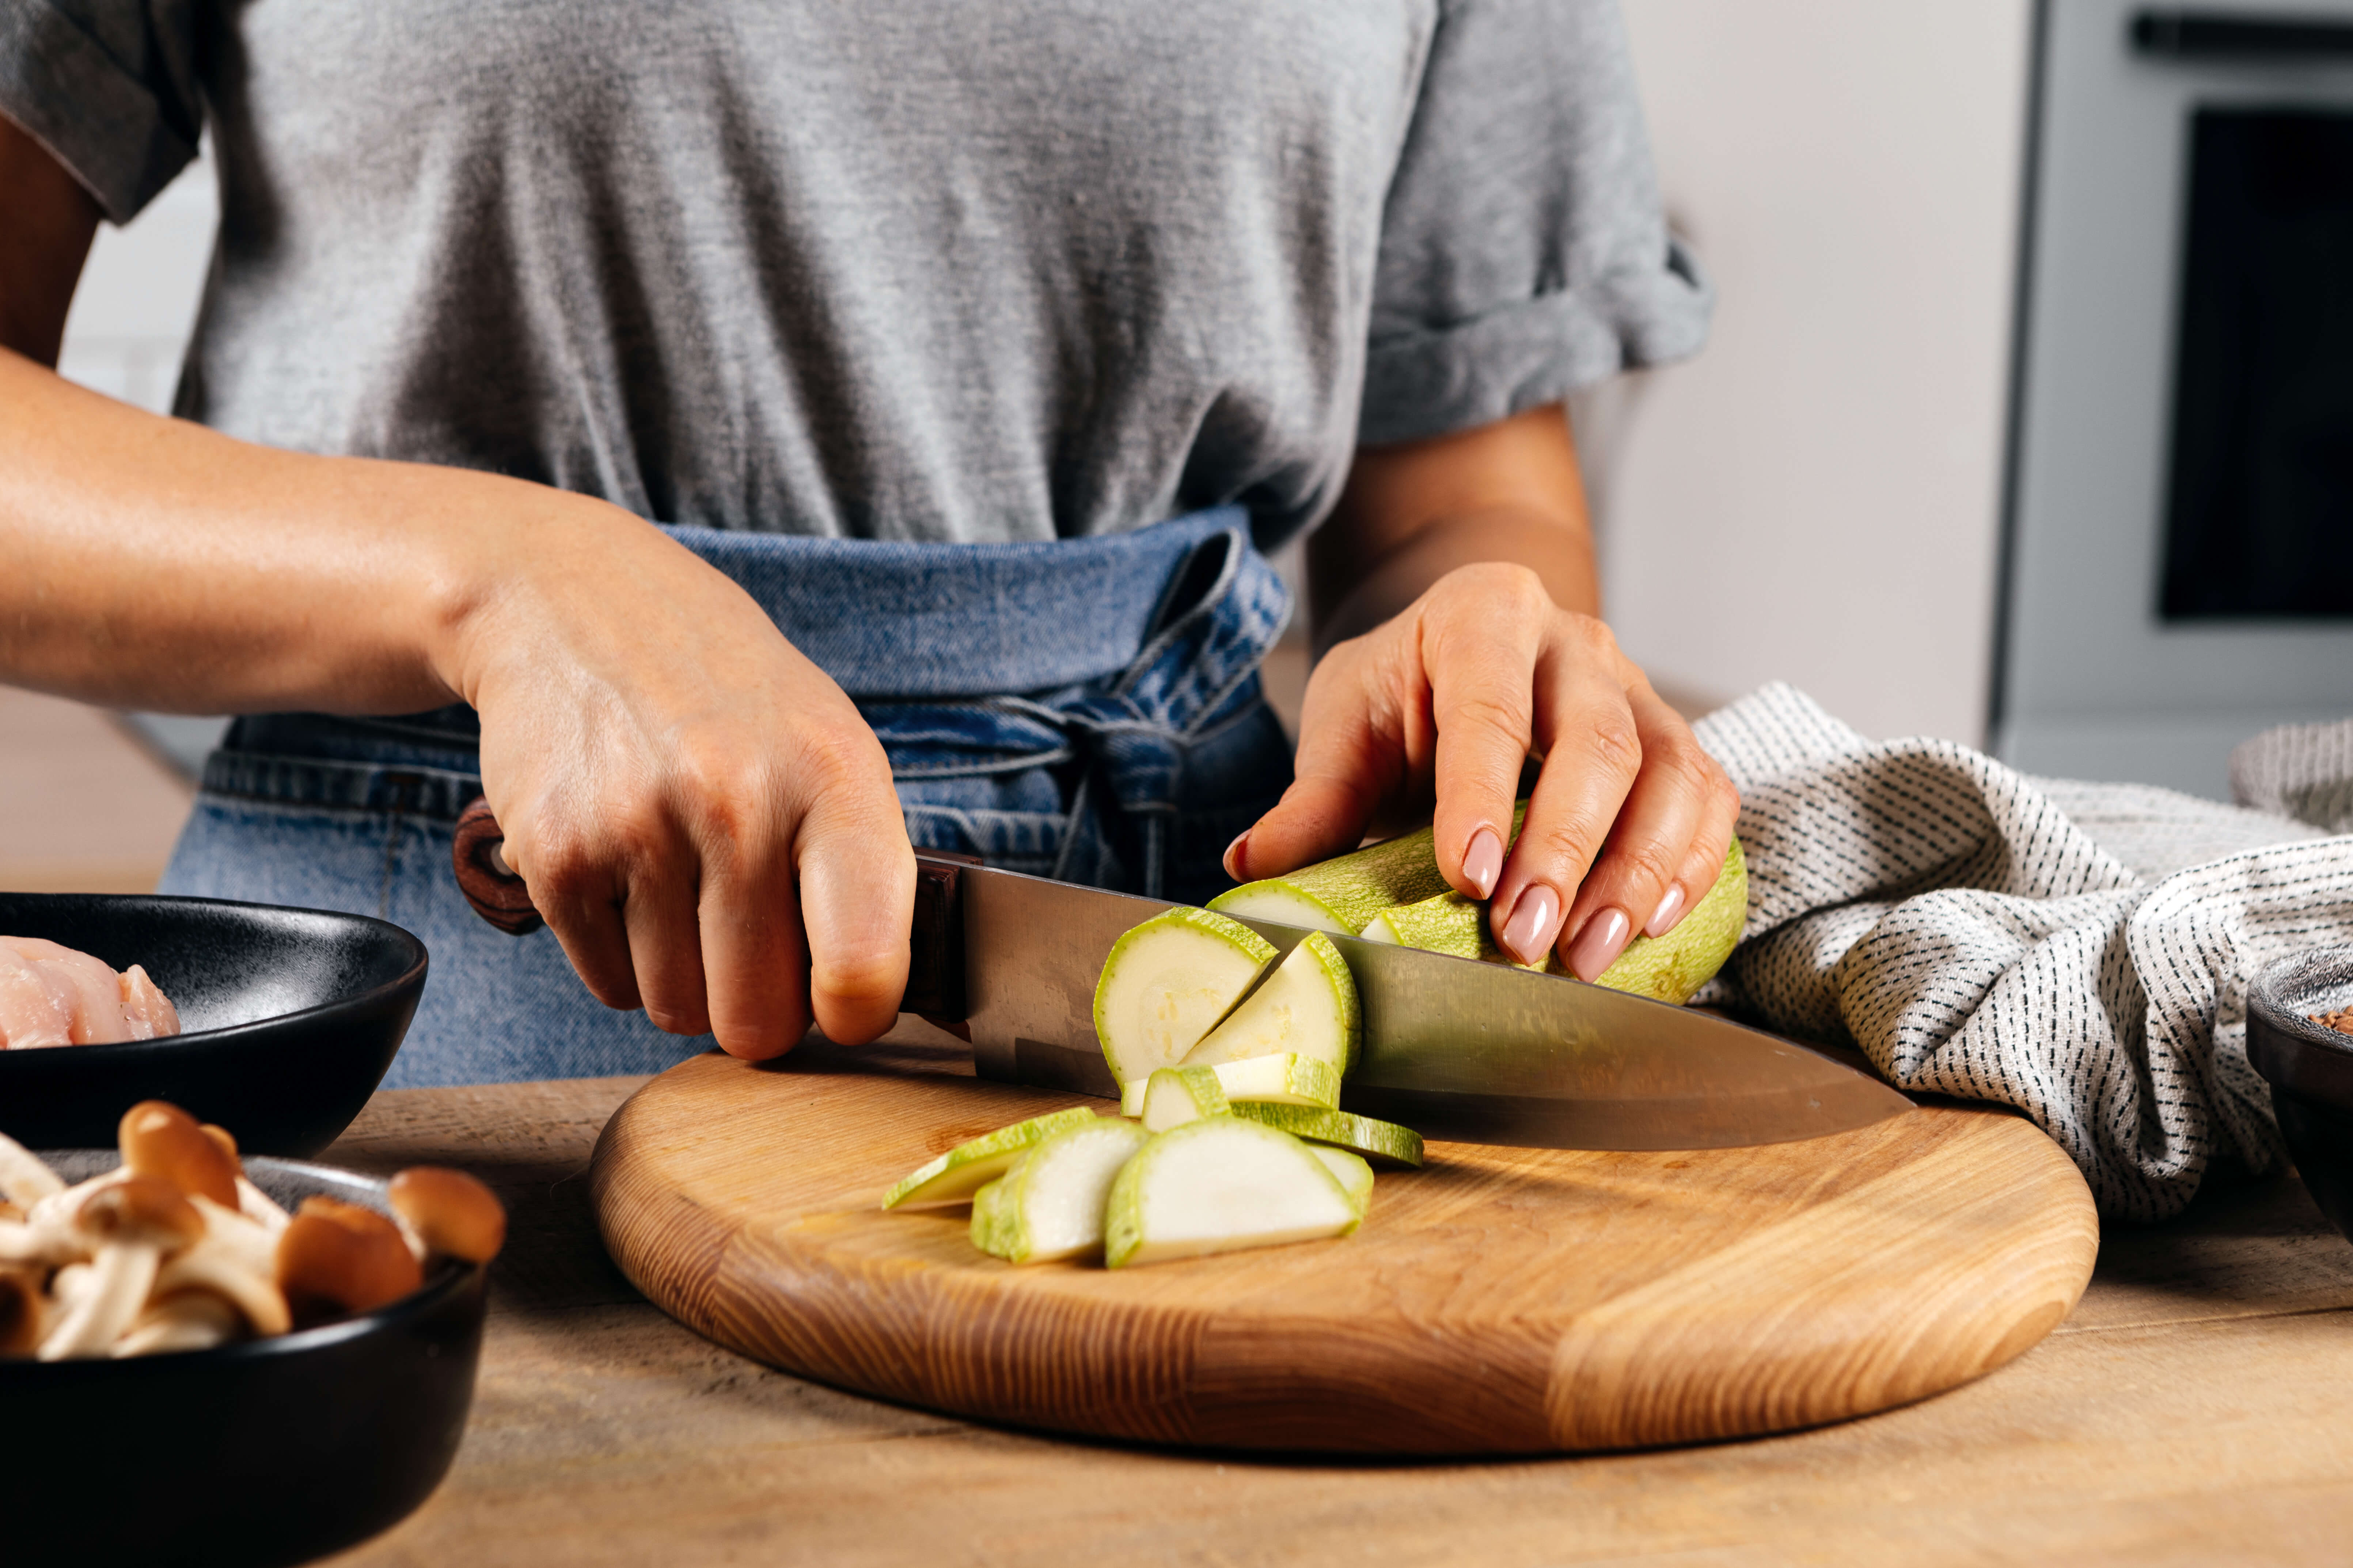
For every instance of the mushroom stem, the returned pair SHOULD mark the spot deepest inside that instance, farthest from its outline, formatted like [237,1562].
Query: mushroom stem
[260,1207]
[191,1320]
[48,1243]
[61,1206]
[135,1223]
[233,1274]
[68,1286]
[248,1241]
[24,1180]
[121,1275]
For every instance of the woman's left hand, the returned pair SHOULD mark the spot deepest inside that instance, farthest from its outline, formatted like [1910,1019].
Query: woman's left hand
[1444,703]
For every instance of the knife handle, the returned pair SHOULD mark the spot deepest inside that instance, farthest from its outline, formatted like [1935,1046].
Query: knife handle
[489,884]
[935,941]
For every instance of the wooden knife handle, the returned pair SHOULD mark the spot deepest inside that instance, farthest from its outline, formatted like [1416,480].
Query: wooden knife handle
[489,884]
[934,943]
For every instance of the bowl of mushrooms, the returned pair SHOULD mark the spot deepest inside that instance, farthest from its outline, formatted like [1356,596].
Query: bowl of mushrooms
[210,1358]
[277,1022]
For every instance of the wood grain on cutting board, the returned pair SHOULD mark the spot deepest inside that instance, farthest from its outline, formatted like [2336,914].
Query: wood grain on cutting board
[1498,1301]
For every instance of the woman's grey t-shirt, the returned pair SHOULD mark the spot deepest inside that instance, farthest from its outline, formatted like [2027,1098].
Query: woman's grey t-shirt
[922,269]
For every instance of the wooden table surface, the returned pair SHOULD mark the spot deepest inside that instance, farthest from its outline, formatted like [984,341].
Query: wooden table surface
[2198,1408]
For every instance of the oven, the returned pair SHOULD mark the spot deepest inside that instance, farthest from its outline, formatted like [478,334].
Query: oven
[2177,562]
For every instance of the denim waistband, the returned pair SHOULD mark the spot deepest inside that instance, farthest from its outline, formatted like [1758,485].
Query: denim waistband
[1120,647]
[895,620]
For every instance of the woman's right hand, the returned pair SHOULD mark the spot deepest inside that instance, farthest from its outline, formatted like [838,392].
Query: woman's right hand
[701,814]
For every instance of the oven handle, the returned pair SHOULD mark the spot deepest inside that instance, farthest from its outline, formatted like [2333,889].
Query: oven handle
[2236,36]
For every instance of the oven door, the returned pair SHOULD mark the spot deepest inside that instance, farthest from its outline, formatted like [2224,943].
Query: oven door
[2179,569]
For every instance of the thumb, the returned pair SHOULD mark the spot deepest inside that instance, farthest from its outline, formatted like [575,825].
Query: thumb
[1346,769]
[857,900]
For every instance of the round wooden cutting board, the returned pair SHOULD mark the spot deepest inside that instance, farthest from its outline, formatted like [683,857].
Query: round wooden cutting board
[1499,1301]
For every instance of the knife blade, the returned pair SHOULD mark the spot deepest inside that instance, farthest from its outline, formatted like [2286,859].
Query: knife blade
[1452,1048]
[1455,1049]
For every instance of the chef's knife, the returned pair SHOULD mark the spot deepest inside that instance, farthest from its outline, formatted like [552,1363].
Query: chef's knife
[1453,1047]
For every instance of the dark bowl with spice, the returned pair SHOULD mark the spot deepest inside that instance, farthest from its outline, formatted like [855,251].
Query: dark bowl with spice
[2300,1037]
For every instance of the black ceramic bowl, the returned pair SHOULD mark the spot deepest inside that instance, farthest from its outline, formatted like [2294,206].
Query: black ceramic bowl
[290,1018]
[2310,1068]
[272,1451]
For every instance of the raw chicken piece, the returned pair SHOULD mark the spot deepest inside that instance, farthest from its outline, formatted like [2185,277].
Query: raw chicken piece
[146,1010]
[52,995]
[33,1011]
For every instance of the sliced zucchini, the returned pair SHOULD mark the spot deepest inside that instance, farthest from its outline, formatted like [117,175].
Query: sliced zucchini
[1174,1096]
[1383,1141]
[964,1169]
[1306,1007]
[1219,1185]
[1169,982]
[1050,1205]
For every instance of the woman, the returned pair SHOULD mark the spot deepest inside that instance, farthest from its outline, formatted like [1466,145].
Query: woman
[967,351]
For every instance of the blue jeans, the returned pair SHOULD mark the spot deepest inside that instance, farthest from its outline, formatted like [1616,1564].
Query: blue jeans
[1087,710]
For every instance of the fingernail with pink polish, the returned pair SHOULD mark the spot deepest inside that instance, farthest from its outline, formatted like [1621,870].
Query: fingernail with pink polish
[1662,918]
[1483,861]
[1597,947]
[1535,919]
[1235,851]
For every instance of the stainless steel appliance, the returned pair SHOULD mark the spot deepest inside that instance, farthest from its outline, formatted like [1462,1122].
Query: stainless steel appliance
[2178,554]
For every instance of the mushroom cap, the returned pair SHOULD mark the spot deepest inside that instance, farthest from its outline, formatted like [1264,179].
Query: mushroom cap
[161,1140]
[141,1210]
[228,1143]
[338,1258]
[452,1214]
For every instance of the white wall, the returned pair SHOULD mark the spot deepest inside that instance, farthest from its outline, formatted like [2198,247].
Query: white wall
[1816,497]
[137,300]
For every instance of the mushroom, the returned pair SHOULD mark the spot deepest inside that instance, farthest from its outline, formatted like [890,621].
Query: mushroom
[227,1264]
[69,1285]
[260,1207]
[24,1180]
[23,1313]
[43,1233]
[251,1243]
[135,1223]
[336,1258]
[61,1208]
[447,1213]
[44,1242]
[251,1201]
[163,1140]
[184,1321]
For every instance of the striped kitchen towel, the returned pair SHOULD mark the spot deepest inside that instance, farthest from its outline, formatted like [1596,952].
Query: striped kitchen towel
[2079,951]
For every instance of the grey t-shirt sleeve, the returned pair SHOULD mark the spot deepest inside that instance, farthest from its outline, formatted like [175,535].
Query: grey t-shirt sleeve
[1524,252]
[110,87]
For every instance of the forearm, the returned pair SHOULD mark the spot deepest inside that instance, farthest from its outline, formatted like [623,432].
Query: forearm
[1508,492]
[151,561]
